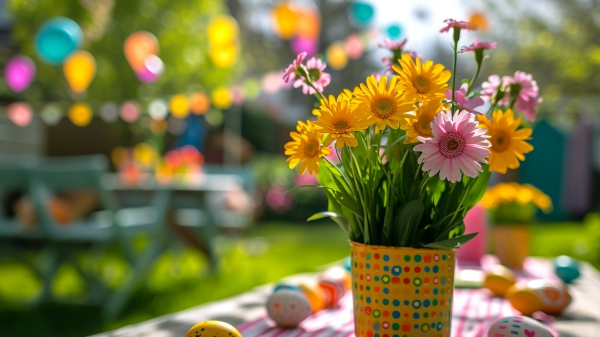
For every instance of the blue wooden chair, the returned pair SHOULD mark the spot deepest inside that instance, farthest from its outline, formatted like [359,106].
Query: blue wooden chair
[64,244]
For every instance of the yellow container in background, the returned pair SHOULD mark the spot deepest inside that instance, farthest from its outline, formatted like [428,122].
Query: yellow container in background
[402,291]
[511,244]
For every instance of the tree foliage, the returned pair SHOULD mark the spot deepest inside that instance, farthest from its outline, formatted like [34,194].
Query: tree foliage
[179,25]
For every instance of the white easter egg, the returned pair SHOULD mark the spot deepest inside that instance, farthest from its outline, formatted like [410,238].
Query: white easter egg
[519,326]
[288,307]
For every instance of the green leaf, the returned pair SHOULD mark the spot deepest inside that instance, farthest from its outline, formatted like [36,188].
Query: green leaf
[465,81]
[408,219]
[455,242]
[338,218]
[478,185]
[308,186]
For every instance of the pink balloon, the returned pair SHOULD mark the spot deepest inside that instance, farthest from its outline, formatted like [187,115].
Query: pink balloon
[153,68]
[299,45]
[130,111]
[19,73]
[20,113]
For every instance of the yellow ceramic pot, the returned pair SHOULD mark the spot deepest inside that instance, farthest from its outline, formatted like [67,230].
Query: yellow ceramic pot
[402,291]
[511,244]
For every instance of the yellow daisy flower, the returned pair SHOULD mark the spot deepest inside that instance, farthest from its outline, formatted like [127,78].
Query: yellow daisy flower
[382,102]
[305,148]
[427,81]
[508,143]
[338,119]
[419,123]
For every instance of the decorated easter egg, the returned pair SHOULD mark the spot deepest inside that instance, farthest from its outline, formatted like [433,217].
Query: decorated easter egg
[314,294]
[566,268]
[518,327]
[553,295]
[213,329]
[288,307]
[499,279]
[334,283]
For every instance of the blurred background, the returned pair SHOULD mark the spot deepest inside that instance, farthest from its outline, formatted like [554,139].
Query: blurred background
[103,103]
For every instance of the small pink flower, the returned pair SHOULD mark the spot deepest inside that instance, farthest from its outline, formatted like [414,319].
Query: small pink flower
[462,101]
[490,88]
[527,99]
[479,45]
[305,179]
[289,74]
[319,78]
[458,145]
[451,23]
[394,45]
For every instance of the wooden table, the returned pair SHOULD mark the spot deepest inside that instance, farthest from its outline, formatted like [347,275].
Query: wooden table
[581,318]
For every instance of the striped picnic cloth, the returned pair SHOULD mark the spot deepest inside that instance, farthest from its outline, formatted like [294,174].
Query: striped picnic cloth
[473,311]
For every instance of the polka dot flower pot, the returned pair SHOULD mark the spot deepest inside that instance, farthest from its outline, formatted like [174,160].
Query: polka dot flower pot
[401,292]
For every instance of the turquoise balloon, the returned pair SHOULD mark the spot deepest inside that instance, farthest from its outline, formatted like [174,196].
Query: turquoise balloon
[57,39]
[394,31]
[362,13]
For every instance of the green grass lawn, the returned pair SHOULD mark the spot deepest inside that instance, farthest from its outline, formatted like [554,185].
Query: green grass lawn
[267,253]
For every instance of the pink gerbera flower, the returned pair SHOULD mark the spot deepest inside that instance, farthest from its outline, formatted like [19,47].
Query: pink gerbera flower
[490,88]
[451,23]
[527,99]
[479,45]
[318,77]
[460,96]
[394,45]
[289,74]
[458,145]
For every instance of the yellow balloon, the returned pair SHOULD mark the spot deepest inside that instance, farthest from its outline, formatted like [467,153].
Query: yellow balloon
[224,56]
[284,19]
[337,58]
[179,105]
[222,30]
[80,114]
[80,69]
[221,98]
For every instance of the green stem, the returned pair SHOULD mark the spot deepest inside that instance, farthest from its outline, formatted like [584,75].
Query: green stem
[455,50]
[473,80]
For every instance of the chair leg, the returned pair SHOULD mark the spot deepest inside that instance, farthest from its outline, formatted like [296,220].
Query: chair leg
[118,300]
[52,263]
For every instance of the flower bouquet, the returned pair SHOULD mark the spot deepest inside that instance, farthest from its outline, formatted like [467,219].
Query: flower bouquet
[402,158]
[512,208]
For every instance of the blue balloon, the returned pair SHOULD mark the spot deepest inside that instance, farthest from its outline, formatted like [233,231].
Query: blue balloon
[56,39]
[362,13]
[394,31]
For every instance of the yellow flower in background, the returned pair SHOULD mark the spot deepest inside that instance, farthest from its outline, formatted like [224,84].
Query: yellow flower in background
[221,98]
[384,103]
[508,143]
[338,119]
[419,123]
[506,193]
[540,199]
[305,148]
[427,81]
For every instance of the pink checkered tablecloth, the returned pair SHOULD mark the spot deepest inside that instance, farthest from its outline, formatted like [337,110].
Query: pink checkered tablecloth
[474,310]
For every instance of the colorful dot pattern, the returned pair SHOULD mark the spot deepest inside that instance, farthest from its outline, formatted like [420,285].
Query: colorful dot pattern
[402,291]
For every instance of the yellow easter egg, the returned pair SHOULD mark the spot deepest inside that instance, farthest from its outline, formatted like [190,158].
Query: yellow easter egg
[213,329]
[499,279]
[524,299]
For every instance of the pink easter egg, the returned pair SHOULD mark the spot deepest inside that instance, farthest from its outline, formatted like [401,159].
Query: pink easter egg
[20,113]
